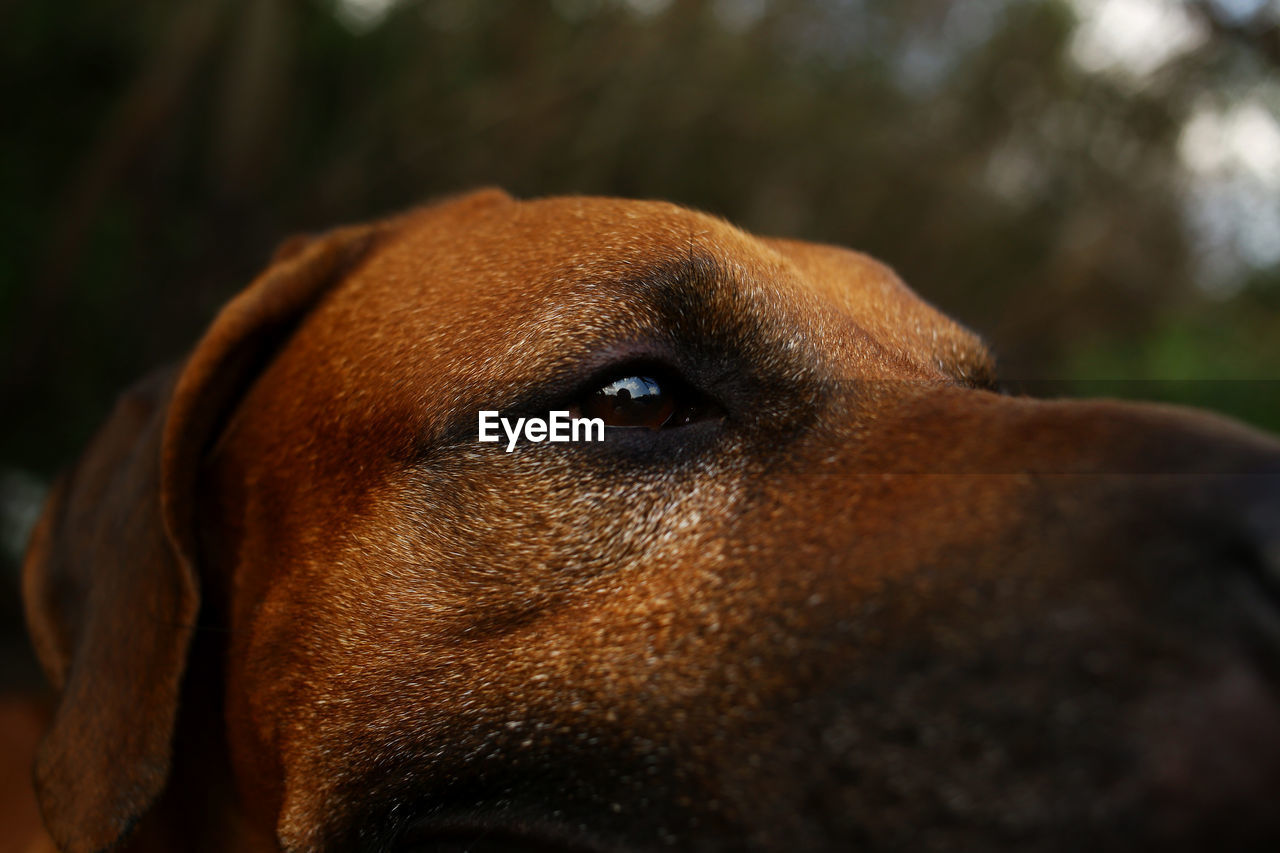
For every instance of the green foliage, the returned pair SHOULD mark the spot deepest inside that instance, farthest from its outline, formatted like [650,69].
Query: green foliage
[1223,357]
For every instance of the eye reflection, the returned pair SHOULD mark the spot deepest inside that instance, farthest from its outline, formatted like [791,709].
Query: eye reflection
[631,401]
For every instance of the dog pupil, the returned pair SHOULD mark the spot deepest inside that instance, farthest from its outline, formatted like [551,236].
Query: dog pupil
[632,401]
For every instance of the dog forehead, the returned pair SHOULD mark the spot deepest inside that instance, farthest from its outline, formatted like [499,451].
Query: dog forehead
[463,305]
[888,310]
[524,251]
[514,287]
[492,262]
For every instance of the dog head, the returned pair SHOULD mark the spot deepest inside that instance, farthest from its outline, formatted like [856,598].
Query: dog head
[820,586]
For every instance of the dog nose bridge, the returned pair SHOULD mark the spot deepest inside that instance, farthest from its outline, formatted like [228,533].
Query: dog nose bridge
[977,466]
[961,431]
[972,443]
[1142,479]
[959,459]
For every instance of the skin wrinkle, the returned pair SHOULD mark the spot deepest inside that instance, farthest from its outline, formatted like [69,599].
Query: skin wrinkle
[582,585]
[871,607]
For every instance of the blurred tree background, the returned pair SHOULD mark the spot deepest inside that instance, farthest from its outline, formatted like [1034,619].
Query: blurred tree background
[1091,184]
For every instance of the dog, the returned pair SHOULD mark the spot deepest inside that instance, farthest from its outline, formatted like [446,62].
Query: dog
[821,586]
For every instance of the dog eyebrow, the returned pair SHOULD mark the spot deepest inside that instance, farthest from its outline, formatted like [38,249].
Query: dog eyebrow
[700,301]
[974,364]
[705,302]
[669,282]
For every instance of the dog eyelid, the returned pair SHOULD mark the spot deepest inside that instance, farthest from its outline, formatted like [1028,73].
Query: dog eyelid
[646,398]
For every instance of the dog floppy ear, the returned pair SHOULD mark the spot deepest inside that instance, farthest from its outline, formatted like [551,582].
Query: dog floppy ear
[111,574]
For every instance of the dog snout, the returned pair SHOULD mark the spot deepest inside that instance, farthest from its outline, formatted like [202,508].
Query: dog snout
[1262,526]
[1255,520]
[1076,601]
[1176,486]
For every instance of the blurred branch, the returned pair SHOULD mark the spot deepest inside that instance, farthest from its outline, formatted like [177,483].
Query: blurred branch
[143,109]
[1257,33]
[138,118]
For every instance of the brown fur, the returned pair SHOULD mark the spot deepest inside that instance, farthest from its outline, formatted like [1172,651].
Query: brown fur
[877,607]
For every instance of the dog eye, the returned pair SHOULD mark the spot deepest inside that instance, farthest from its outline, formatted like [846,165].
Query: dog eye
[648,399]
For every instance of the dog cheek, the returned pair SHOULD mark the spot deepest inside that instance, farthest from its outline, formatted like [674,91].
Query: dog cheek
[443,557]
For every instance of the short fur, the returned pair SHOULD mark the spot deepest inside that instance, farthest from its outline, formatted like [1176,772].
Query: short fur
[291,603]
